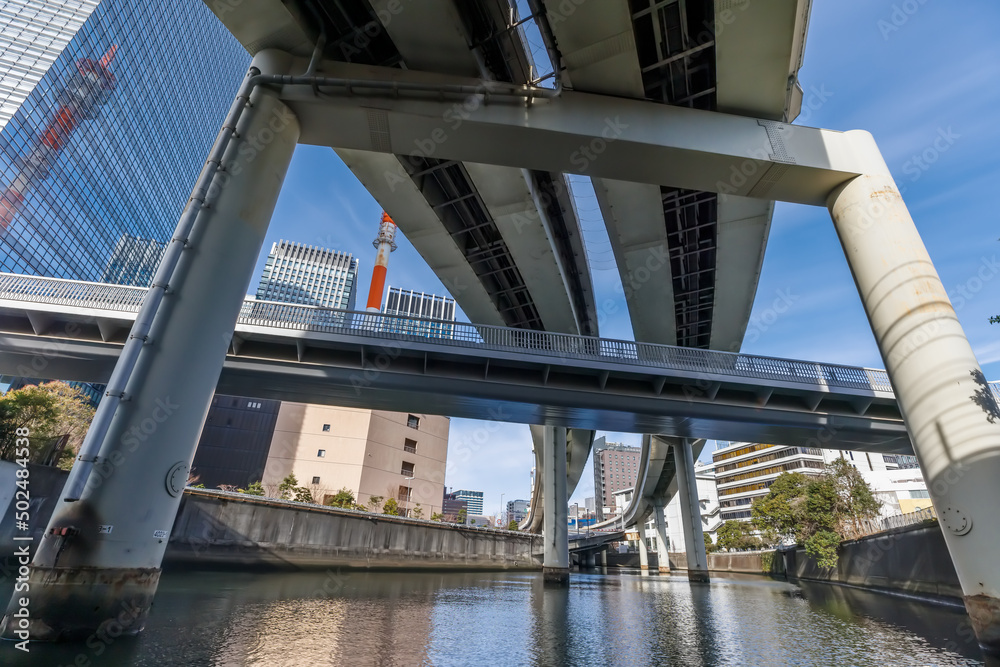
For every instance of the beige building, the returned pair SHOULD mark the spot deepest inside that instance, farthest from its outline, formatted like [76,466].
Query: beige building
[370,452]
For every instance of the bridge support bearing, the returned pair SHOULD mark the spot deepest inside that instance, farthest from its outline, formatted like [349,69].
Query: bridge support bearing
[687,489]
[662,558]
[950,413]
[98,564]
[555,563]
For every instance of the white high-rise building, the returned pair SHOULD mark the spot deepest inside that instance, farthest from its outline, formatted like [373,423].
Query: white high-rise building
[409,303]
[32,35]
[744,472]
[303,274]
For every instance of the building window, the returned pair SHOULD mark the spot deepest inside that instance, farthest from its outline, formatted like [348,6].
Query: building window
[410,446]
[404,493]
[413,421]
[315,480]
[407,469]
[326,428]
[321,453]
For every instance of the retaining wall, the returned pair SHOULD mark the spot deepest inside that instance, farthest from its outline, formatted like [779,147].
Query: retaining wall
[216,529]
[913,559]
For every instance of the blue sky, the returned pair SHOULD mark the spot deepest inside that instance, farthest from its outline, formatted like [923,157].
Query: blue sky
[907,71]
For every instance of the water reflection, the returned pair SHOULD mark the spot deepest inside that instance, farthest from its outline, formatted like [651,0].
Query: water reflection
[389,619]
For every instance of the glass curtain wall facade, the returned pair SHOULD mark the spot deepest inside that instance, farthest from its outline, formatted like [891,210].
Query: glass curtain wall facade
[104,151]
[304,274]
[32,35]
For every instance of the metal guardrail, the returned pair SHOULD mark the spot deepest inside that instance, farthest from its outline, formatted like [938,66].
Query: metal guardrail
[460,334]
[900,520]
[876,526]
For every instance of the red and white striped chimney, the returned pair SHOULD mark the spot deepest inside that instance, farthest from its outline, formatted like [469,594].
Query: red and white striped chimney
[385,242]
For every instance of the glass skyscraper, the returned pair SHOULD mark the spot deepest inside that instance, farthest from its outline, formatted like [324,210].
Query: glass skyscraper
[97,162]
[304,274]
[32,35]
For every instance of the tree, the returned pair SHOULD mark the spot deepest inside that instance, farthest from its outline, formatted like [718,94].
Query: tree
[513,525]
[391,507]
[417,512]
[462,516]
[302,494]
[995,319]
[736,535]
[778,515]
[709,544]
[255,489]
[374,502]
[437,516]
[57,417]
[857,503]
[287,487]
[343,499]
[818,512]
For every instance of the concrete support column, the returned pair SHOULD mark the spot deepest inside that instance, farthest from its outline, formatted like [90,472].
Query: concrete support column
[662,558]
[555,564]
[604,557]
[591,559]
[98,565]
[643,553]
[687,489]
[950,413]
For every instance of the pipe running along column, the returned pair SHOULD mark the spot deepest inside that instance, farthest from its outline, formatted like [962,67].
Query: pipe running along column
[949,410]
[555,529]
[687,489]
[98,564]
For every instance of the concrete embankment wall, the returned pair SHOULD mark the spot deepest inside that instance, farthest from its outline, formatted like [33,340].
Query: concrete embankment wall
[214,529]
[44,483]
[912,560]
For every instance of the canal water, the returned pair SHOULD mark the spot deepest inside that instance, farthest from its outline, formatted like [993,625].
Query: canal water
[628,618]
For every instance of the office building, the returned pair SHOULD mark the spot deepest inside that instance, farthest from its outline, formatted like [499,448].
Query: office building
[616,467]
[235,442]
[452,505]
[369,452]
[304,274]
[517,510]
[745,471]
[32,35]
[474,500]
[420,304]
[96,143]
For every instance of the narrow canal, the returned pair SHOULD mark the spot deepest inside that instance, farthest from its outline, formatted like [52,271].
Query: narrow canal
[396,618]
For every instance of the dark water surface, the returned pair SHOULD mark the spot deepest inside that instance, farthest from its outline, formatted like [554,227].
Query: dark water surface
[358,618]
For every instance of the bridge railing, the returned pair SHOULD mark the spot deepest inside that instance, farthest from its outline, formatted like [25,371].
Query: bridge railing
[71,292]
[460,334]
